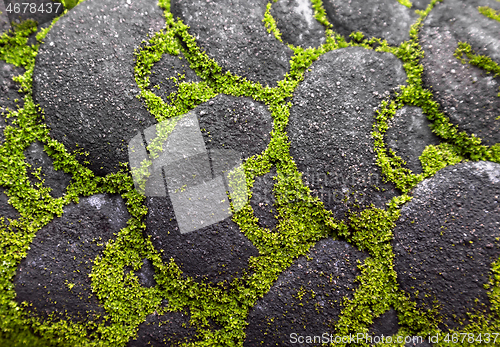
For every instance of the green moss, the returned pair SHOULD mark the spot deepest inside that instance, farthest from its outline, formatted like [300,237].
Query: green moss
[481,61]
[302,218]
[435,158]
[270,23]
[406,3]
[489,12]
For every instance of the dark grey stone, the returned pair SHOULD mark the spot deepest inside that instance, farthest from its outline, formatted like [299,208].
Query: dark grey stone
[263,200]
[408,135]
[67,244]
[233,34]
[170,66]
[84,78]
[295,20]
[4,19]
[9,90]
[331,123]
[466,93]
[57,180]
[330,274]
[445,240]
[385,19]
[239,124]
[146,274]
[51,9]
[387,324]
[219,251]
[420,4]
[7,211]
[170,329]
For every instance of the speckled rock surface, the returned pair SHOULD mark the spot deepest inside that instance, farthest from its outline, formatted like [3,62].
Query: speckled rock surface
[408,135]
[50,10]
[467,94]
[444,241]
[57,180]
[263,200]
[7,211]
[290,307]
[385,19]
[84,78]
[166,330]
[295,20]
[230,123]
[233,34]
[331,123]
[4,18]
[62,255]
[170,66]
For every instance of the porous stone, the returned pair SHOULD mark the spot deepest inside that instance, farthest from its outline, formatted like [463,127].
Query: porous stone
[84,78]
[331,123]
[219,251]
[420,4]
[445,240]
[233,34]
[467,94]
[263,200]
[170,329]
[4,19]
[306,297]
[57,180]
[42,12]
[9,88]
[385,19]
[7,211]
[295,20]
[62,254]
[408,135]
[171,66]
[385,325]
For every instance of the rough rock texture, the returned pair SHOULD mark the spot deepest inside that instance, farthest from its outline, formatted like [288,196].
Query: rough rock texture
[409,134]
[444,241]
[387,324]
[62,247]
[233,34]
[4,19]
[8,92]
[166,330]
[173,66]
[7,211]
[331,123]
[263,200]
[467,94]
[420,4]
[289,307]
[239,124]
[385,19]
[84,78]
[219,251]
[50,10]
[295,20]
[56,180]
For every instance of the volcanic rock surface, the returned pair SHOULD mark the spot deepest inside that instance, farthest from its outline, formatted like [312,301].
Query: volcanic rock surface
[331,123]
[84,78]
[467,94]
[446,239]
[233,34]
[306,297]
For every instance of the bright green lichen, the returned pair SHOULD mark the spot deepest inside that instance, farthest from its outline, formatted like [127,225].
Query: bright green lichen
[489,12]
[302,218]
